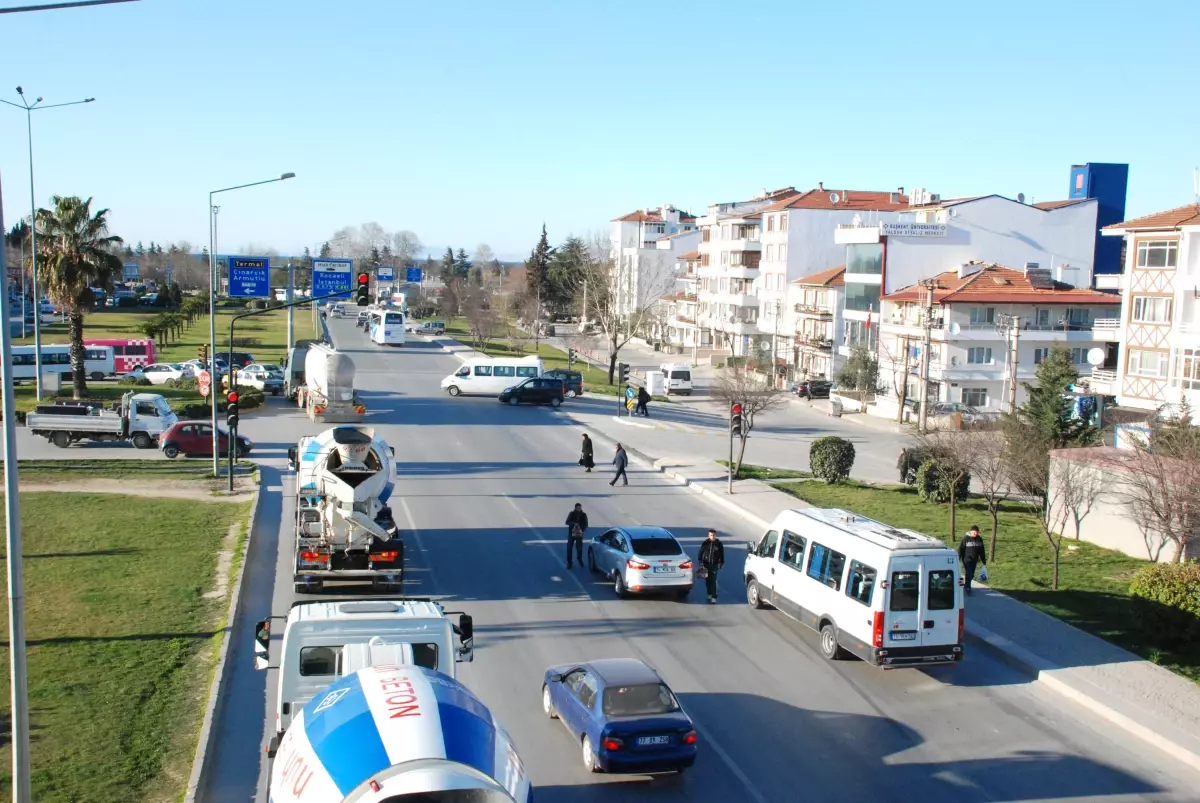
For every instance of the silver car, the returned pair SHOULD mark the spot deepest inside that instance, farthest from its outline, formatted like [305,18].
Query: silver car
[640,560]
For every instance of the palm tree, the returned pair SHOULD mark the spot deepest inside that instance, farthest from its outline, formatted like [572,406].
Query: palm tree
[74,256]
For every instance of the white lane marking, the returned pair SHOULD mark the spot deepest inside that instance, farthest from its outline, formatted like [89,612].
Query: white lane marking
[725,757]
[416,534]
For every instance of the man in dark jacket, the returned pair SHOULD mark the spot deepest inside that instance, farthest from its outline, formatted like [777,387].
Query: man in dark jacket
[643,398]
[972,552]
[577,524]
[620,460]
[712,558]
[587,456]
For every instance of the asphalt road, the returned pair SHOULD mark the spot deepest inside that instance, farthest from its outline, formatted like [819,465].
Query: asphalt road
[482,492]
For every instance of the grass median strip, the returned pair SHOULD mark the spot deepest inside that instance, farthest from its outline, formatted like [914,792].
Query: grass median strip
[1094,592]
[749,472]
[121,640]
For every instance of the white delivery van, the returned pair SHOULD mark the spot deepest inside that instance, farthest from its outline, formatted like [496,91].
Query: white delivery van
[891,597]
[678,378]
[491,376]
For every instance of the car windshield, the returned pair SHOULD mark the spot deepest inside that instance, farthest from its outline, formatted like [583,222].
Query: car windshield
[640,700]
[656,546]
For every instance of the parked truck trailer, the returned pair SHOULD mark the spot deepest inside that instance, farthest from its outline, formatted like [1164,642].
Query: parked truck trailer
[328,394]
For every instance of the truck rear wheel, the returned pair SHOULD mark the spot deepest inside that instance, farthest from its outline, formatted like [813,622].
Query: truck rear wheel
[61,439]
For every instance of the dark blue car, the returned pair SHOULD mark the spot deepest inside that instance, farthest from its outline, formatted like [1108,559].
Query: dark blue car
[622,716]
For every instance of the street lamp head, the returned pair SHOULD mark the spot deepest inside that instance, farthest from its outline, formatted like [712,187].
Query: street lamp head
[286,176]
[88,100]
[20,92]
[36,102]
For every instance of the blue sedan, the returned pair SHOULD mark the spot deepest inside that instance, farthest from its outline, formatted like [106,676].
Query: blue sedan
[622,715]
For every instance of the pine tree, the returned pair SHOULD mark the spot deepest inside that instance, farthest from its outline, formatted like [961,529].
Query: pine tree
[447,267]
[373,258]
[1047,412]
[564,275]
[462,265]
[385,255]
[325,251]
[128,252]
[537,268]
[307,254]
[140,250]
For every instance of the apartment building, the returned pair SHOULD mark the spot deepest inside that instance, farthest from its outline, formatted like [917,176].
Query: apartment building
[1154,351]
[991,326]
[645,245]
[674,322]
[815,311]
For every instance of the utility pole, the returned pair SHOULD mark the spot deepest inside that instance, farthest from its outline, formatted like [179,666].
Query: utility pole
[904,381]
[291,322]
[1010,326]
[930,285]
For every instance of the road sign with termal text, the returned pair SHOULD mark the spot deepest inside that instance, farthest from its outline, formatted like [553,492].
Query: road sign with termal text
[249,277]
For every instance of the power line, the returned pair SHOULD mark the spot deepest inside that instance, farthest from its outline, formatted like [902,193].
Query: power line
[56,6]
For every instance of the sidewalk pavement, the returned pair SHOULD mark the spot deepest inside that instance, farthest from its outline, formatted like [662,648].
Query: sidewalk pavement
[1144,700]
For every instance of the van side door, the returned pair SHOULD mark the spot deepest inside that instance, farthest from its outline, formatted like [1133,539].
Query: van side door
[941,601]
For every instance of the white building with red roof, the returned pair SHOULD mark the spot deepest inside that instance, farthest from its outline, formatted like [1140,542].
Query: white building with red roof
[645,246]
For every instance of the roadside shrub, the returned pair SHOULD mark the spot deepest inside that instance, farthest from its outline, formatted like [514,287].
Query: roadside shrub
[934,481]
[257,303]
[246,342]
[182,384]
[249,398]
[134,381]
[1167,599]
[831,458]
[192,411]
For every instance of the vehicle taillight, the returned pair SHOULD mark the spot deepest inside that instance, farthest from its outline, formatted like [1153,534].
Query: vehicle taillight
[636,564]
[313,557]
[877,631]
[962,623]
[690,738]
[687,564]
[612,743]
[385,555]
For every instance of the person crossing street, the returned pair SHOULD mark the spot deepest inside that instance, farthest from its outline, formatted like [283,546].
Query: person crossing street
[577,524]
[712,560]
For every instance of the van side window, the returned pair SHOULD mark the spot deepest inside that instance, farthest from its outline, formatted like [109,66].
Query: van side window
[318,660]
[793,551]
[825,566]
[941,590]
[904,591]
[860,584]
[483,370]
[503,370]
[766,547]
[527,370]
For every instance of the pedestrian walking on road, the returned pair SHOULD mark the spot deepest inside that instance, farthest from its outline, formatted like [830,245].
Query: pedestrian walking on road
[587,457]
[577,524]
[972,552]
[712,560]
[620,460]
[643,398]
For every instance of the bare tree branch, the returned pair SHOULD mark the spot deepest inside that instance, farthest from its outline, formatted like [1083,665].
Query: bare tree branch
[607,282]
[740,386]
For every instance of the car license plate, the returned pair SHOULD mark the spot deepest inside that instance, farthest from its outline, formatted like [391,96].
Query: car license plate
[904,636]
[654,740]
[664,569]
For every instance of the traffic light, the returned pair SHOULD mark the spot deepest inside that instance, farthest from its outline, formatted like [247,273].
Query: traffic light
[570,358]
[623,372]
[231,411]
[364,289]
[203,352]
[735,418]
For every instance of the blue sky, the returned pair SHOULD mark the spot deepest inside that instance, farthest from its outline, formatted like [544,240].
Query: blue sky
[471,121]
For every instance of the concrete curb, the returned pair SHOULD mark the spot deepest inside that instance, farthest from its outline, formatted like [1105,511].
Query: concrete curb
[212,711]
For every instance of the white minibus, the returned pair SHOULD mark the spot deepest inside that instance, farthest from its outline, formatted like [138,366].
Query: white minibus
[386,327]
[892,597]
[98,361]
[678,378]
[491,376]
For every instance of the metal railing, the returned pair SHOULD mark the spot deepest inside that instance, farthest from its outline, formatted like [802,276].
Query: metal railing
[1106,323]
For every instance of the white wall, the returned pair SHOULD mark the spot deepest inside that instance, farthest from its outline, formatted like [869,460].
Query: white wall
[811,248]
[995,229]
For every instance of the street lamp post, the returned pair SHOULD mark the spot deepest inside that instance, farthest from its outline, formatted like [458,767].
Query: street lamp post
[29,109]
[212,308]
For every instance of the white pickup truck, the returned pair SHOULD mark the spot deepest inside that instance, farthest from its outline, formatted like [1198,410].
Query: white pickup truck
[138,418]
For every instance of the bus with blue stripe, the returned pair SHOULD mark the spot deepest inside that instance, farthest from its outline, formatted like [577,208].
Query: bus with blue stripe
[386,326]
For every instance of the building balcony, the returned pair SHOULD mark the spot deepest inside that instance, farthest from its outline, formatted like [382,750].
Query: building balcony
[1103,382]
[730,271]
[1106,330]
[822,345]
[742,244]
[740,299]
[813,311]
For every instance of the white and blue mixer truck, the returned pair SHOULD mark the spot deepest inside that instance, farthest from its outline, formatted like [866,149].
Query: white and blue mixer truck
[369,711]
[344,528]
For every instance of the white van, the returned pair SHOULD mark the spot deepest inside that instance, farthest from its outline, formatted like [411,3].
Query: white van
[491,376]
[891,597]
[678,378]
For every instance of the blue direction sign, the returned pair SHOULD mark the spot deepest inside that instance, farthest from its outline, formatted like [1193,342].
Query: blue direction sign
[249,277]
[385,273]
[630,393]
[413,275]
[132,272]
[331,276]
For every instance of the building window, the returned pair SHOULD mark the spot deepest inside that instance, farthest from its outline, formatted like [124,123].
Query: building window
[1040,355]
[705,235]
[704,260]
[770,249]
[1151,309]
[975,397]
[1157,253]
[862,297]
[770,222]
[864,258]
[1147,363]
[979,355]
[1187,369]
[983,316]
[724,257]
[1079,318]
[783,221]
[1079,356]
[783,249]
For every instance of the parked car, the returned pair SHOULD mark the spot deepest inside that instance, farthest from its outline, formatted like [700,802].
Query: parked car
[430,328]
[268,379]
[572,379]
[947,410]
[157,373]
[813,389]
[238,359]
[621,714]
[641,559]
[535,390]
[194,439]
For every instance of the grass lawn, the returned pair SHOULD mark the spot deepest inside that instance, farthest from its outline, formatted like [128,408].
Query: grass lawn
[1093,590]
[750,472]
[269,330]
[120,641]
[66,469]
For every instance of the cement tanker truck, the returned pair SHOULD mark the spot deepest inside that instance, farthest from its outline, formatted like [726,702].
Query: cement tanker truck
[344,528]
[328,394]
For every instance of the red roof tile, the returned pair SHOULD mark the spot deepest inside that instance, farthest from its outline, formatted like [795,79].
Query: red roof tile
[1000,285]
[1049,205]
[826,278]
[1171,219]
[847,199]
[689,255]
[652,216]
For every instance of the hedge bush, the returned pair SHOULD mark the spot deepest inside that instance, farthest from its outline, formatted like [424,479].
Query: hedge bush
[933,481]
[831,458]
[135,381]
[1167,596]
[183,384]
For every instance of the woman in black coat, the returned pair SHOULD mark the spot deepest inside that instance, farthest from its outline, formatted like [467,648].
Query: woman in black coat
[586,459]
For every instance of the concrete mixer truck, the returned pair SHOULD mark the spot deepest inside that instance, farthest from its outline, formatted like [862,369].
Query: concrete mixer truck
[344,528]
[328,394]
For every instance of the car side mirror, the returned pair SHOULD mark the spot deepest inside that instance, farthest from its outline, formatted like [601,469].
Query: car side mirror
[262,643]
[556,678]
[466,627]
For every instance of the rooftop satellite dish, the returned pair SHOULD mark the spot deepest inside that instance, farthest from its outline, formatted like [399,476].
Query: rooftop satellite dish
[1095,356]
[1020,197]
[954,328]
[834,197]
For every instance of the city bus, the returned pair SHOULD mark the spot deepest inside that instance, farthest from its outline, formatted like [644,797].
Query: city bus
[98,362]
[128,353]
[386,327]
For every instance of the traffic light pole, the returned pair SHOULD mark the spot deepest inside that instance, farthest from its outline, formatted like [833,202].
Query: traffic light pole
[731,452]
